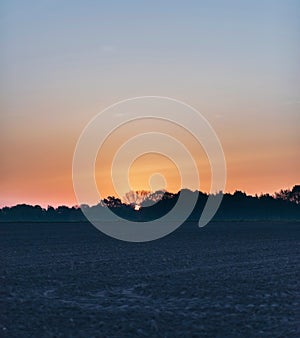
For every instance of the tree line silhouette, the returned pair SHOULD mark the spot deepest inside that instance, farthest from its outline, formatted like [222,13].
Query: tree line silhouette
[283,205]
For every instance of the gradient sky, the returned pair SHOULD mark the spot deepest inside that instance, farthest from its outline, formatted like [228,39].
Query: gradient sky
[62,62]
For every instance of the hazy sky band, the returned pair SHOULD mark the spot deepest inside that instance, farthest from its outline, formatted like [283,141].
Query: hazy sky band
[63,62]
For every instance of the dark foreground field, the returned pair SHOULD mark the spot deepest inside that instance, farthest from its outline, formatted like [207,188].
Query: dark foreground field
[225,280]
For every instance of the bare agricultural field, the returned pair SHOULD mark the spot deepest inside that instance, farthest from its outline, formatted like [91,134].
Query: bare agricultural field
[238,279]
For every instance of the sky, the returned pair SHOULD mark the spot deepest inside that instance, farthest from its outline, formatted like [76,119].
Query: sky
[62,62]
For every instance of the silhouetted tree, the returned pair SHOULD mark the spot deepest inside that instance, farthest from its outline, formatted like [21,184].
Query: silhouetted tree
[283,194]
[285,204]
[112,202]
[296,194]
[289,195]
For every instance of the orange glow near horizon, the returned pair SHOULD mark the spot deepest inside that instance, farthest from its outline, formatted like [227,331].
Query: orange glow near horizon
[42,172]
[149,164]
